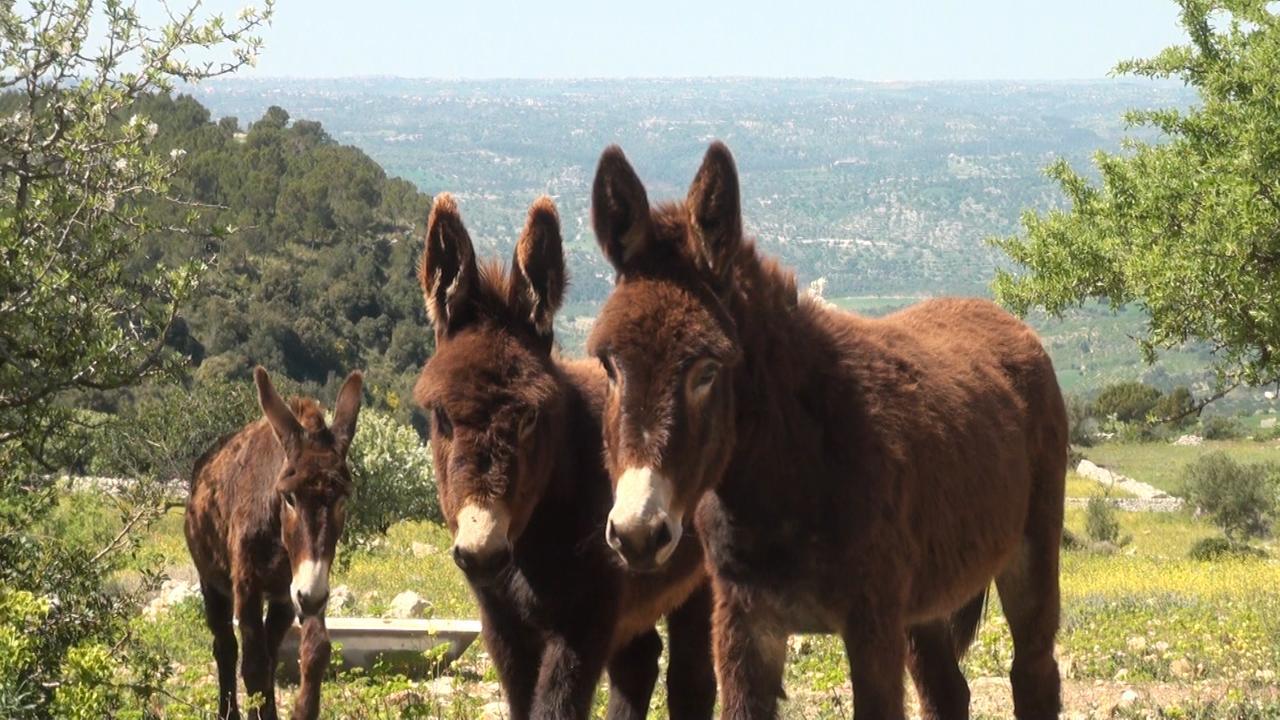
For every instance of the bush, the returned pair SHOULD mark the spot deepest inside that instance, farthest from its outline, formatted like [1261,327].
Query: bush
[1217,548]
[392,473]
[1177,407]
[1100,522]
[1241,499]
[1221,427]
[1126,401]
[1081,425]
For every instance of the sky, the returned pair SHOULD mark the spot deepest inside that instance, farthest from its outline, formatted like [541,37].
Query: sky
[885,40]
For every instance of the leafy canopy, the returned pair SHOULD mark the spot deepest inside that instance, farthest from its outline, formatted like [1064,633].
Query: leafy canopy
[1188,228]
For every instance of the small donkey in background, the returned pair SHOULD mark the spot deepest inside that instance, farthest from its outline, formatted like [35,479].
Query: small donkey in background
[266,510]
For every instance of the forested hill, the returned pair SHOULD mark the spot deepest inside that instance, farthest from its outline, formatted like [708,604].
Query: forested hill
[317,276]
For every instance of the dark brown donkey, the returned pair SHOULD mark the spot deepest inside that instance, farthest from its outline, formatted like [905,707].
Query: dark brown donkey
[266,511]
[846,475]
[516,440]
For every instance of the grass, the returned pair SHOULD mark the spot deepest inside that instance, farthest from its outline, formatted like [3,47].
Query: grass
[1160,463]
[1079,486]
[1145,615]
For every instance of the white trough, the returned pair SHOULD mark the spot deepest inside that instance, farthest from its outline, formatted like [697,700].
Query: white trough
[401,645]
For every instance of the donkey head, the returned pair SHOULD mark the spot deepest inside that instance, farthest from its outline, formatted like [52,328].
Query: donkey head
[491,387]
[668,345]
[313,485]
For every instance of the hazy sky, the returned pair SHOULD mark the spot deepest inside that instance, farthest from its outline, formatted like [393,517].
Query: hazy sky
[859,39]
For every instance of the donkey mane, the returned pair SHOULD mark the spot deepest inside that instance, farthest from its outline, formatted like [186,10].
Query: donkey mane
[311,416]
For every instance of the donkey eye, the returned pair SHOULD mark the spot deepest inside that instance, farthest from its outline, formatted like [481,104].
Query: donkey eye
[607,363]
[440,419]
[706,374]
[291,500]
[528,422]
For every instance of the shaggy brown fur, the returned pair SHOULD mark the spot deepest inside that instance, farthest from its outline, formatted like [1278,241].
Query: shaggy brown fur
[849,475]
[265,502]
[516,441]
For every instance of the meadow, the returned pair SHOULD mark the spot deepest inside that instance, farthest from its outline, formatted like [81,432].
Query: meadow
[1146,632]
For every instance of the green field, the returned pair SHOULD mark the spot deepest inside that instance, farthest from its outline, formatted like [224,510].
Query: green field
[1178,632]
[1161,463]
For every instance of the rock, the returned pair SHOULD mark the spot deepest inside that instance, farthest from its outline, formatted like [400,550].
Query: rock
[1127,698]
[1181,669]
[421,549]
[799,645]
[441,686]
[172,592]
[408,604]
[340,599]
[1267,423]
[494,711]
[1162,646]
[405,699]
[1122,673]
[1189,440]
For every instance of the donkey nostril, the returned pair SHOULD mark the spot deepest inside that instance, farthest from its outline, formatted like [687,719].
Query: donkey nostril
[611,536]
[662,538]
[459,558]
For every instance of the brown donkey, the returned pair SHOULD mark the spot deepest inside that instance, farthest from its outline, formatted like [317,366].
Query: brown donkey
[516,442]
[266,511]
[846,475]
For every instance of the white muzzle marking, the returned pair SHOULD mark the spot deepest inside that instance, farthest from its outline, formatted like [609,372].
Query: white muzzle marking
[310,579]
[642,495]
[482,531]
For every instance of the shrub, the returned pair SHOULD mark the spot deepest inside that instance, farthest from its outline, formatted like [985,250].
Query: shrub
[1177,406]
[1126,401]
[1241,499]
[392,473]
[1220,548]
[1100,522]
[1221,427]
[1080,421]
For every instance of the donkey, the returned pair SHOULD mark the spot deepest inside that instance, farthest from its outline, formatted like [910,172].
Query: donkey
[266,510]
[515,435]
[867,477]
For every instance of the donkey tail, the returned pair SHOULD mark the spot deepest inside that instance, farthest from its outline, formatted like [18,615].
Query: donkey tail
[966,620]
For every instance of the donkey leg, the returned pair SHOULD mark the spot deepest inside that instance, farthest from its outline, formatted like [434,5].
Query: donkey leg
[314,651]
[1028,589]
[750,656]
[279,619]
[944,694]
[691,674]
[515,654]
[217,615]
[570,670]
[876,645]
[633,670]
[255,656]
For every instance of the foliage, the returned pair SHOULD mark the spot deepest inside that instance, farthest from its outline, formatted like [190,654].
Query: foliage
[1101,524]
[1187,228]
[1081,425]
[1177,408]
[1220,548]
[1240,498]
[83,184]
[392,473]
[1126,401]
[1221,427]
[319,277]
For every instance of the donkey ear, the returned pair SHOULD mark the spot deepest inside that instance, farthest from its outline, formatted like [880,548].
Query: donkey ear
[715,209]
[283,423]
[346,411]
[619,209]
[448,272]
[539,264]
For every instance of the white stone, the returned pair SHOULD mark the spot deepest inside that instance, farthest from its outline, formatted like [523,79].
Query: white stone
[1180,668]
[340,598]
[408,604]
[494,711]
[1127,698]
[421,549]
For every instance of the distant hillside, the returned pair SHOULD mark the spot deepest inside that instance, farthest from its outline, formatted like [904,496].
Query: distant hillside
[318,276]
[885,191]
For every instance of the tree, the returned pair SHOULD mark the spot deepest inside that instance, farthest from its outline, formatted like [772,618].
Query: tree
[81,188]
[1188,228]
[1127,401]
